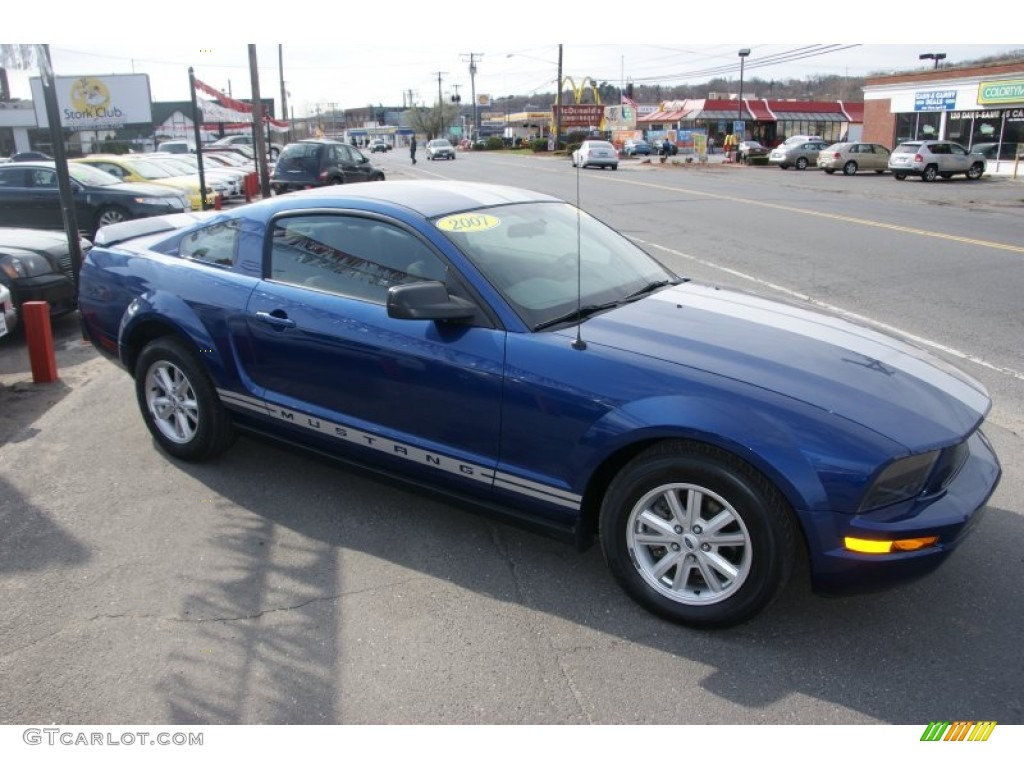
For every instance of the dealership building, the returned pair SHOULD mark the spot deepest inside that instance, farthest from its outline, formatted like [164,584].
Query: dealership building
[977,105]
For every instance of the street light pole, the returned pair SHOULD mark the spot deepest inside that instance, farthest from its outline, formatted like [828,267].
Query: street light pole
[744,52]
[937,56]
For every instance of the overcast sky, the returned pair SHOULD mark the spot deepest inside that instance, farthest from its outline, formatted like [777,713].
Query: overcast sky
[412,50]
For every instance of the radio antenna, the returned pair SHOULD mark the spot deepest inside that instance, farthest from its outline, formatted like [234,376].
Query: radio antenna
[578,342]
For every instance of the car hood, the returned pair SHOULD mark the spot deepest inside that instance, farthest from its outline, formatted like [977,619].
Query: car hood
[861,375]
[139,188]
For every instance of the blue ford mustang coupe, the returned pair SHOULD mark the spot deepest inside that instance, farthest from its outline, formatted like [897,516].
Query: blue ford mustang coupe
[506,348]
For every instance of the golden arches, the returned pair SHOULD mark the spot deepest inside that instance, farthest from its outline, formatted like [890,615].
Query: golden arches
[578,92]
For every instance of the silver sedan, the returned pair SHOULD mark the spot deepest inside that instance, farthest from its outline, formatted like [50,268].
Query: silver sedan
[799,155]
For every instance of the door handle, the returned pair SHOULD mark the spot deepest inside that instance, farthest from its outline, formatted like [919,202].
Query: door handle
[277,318]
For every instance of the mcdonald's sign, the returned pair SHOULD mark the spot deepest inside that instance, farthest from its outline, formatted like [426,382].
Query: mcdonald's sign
[960,730]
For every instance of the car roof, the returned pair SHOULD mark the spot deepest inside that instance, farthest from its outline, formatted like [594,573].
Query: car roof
[428,198]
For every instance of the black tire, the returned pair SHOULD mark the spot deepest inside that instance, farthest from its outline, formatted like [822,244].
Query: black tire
[783,166]
[946,175]
[615,167]
[801,163]
[110,214]
[829,171]
[178,402]
[899,176]
[850,169]
[929,173]
[975,171]
[335,181]
[718,577]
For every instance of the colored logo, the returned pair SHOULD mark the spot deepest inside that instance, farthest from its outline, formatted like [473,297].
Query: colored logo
[89,94]
[961,730]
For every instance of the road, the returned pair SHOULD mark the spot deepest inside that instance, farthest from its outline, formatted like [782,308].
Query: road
[271,587]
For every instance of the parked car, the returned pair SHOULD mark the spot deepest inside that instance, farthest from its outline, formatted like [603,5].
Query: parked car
[246,140]
[227,183]
[321,162]
[30,155]
[992,151]
[379,145]
[132,168]
[8,314]
[750,149]
[29,197]
[498,345]
[178,165]
[440,148]
[799,155]
[931,159]
[35,265]
[633,147]
[595,152]
[176,147]
[852,156]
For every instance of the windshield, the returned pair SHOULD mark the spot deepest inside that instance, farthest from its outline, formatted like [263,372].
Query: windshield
[92,177]
[147,170]
[548,258]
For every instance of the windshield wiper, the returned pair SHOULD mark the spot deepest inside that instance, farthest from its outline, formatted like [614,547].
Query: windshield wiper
[649,288]
[580,313]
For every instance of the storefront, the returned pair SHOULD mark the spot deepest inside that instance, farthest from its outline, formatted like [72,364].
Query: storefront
[768,121]
[981,108]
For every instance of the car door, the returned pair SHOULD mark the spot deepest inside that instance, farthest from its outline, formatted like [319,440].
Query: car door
[17,208]
[960,160]
[354,164]
[419,396]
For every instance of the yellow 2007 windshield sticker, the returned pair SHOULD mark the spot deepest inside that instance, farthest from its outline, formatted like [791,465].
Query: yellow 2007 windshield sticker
[468,222]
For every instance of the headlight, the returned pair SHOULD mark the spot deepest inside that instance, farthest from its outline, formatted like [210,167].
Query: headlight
[156,200]
[901,480]
[25,266]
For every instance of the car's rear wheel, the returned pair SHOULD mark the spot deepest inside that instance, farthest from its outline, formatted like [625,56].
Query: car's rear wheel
[929,173]
[801,163]
[178,402]
[975,171]
[783,166]
[697,536]
[946,175]
[829,171]
[850,168]
[111,214]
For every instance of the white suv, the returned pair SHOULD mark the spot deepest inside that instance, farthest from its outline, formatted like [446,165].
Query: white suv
[931,159]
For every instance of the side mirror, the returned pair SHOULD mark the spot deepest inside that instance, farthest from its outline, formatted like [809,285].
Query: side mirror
[427,300]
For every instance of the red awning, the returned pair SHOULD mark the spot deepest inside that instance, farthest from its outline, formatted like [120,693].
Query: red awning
[758,110]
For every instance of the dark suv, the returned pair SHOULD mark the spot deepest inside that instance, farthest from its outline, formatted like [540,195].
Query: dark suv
[319,163]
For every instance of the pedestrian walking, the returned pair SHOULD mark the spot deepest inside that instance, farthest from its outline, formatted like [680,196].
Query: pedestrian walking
[412,150]
[711,145]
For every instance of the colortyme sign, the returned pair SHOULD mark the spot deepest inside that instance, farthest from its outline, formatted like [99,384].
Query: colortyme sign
[96,102]
[1001,92]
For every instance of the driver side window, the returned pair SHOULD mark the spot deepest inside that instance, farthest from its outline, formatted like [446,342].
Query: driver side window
[350,256]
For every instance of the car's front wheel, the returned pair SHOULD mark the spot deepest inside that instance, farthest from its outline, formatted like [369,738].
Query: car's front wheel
[697,536]
[178,402]
[111,214]
[975,171]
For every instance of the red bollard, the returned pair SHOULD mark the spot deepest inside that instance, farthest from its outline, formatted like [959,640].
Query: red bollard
[36,316]
[248,188]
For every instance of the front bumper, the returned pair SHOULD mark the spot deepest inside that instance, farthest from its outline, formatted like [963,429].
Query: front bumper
[950,516]
[55,289]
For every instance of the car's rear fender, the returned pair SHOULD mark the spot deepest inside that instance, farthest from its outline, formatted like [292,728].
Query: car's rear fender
[159,314]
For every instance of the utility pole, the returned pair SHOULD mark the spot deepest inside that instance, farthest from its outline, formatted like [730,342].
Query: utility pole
[284,93]
[558,102]
[473,58]
[257,123]
[440,106]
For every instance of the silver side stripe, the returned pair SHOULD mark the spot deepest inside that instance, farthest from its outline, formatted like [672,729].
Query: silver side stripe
[441,462]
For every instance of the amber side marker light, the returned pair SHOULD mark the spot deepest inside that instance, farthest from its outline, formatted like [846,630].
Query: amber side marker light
[875,547]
